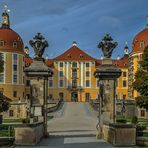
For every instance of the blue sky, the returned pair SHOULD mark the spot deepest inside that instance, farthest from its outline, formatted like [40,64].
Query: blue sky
[86,21]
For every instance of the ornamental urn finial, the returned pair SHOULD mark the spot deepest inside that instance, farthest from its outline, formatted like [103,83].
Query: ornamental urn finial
[39,44]
[107,45]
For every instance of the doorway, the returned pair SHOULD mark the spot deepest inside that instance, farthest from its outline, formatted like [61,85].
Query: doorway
[87,97]
[74,97]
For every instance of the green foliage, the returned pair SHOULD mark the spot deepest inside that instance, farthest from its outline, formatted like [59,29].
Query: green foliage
[134,120]
[122,120]
[141,82]
[4,104]
[26,120]
[144,63]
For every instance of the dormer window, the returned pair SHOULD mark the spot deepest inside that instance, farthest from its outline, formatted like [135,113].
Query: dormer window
[142,44]
[81,56]
[15,44]
[69,56]
[1,43]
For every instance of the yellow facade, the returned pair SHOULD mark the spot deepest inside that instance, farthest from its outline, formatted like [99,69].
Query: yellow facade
[79,90]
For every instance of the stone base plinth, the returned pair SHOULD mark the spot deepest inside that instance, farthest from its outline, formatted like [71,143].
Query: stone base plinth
[120,134]
[28,134]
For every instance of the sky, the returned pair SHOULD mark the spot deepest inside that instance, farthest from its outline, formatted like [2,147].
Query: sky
[85,21]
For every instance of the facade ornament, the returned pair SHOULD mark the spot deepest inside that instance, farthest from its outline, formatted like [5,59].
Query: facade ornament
[107,45]
[39,44]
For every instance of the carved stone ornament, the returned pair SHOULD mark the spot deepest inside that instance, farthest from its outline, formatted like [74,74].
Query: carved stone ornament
[39,44]
[107,45]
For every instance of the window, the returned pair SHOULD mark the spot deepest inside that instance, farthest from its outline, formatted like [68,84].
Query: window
[1,77]
[2,73]
[15,78]
[61,83]
[87,73]
[74,73]
[15,57]
[87,64]
[14,93]
[61,73]
[74,83]
[124,96]
[87,83]
[124,74]
[142,113]
[74,65]
[11,113]
[124,83]
[14,44]
[61,64]
[1,43]
[50,83]
[14,67]
[142,44]
[28,83]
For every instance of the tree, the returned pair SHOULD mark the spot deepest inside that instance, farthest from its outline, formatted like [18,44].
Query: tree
[4,105]
[141,82]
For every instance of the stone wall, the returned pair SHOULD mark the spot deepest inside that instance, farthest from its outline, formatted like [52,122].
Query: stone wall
[120,134]
[28,134]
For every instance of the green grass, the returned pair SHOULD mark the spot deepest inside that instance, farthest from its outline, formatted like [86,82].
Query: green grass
[145,134]
[6,130]
[19,120]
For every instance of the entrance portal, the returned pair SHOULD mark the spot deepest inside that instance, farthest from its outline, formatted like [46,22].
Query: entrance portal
[74,97]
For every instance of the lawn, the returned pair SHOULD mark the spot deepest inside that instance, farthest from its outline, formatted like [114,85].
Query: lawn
[6,130]
[19,120]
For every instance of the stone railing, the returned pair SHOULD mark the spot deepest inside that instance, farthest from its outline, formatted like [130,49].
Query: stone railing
[54,105]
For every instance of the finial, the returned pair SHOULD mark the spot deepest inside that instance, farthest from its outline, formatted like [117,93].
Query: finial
[39,44]
[74,43]
[6,10]
[107,45]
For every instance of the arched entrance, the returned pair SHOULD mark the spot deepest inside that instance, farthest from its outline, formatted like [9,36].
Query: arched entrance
[74,96]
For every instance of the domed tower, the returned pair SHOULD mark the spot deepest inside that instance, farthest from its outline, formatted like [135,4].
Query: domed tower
[11,49]
[139,43]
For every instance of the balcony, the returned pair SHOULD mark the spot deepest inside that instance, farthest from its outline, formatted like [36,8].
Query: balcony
[74,87]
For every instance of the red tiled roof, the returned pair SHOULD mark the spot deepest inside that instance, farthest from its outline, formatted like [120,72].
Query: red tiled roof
[98,63]
[122,63]
[140,37]
[28,60]
[49,62]
[9,36]
[74,53]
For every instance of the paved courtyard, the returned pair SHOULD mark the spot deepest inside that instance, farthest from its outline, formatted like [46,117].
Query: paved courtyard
[73,119]
[73,126]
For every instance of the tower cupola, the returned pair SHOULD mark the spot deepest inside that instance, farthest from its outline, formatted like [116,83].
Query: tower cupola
[126,49]
[5,17]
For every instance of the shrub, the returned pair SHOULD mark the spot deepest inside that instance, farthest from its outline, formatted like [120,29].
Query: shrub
[26,120]
[121,120]
[134,120]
